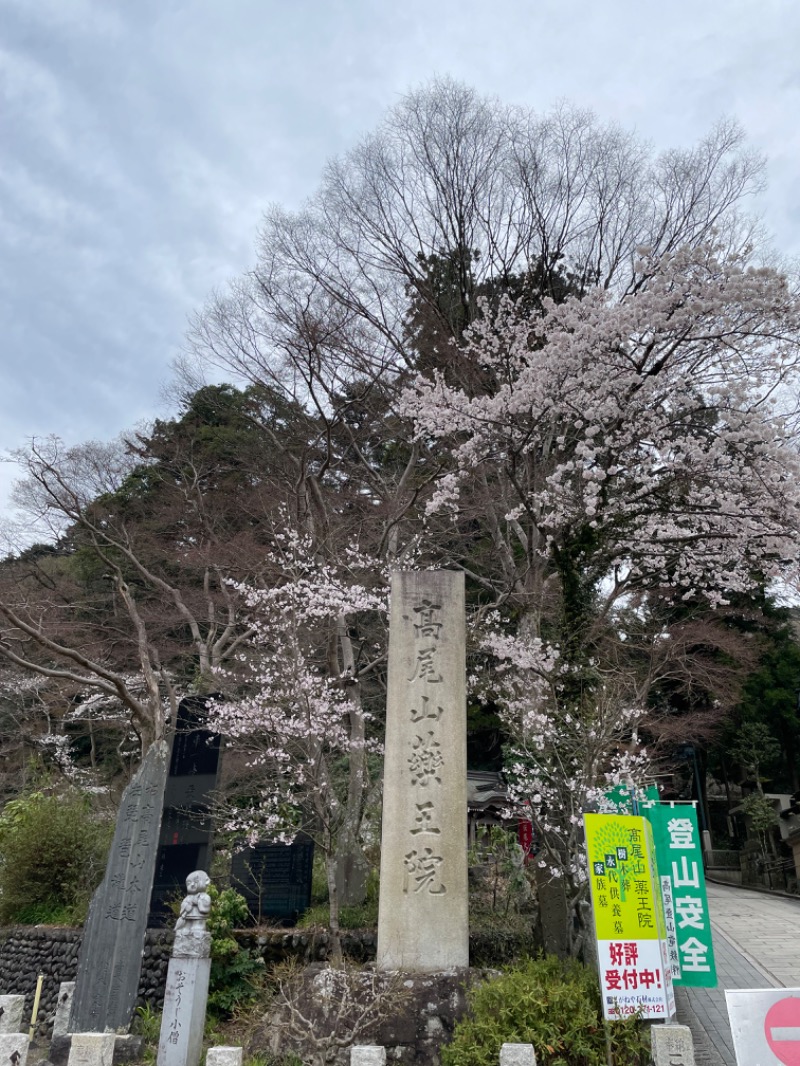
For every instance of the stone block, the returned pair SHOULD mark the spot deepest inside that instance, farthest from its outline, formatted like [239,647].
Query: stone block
[63,1007]
[367,1055]
[92,1049]
[128,1048]
[224,1056]
[11,1011]
[517,1055]
[14,1049]
[672,1045]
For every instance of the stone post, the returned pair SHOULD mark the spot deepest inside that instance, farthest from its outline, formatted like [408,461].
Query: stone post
[63,1007]
[224,1056]
[672,1045]
[186,993]
[422,919]
[517,1055]
[11,1010]
[91,1049]
[367,1055]
[14,1049]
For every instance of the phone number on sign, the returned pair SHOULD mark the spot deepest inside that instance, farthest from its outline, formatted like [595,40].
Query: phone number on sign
[644,1008]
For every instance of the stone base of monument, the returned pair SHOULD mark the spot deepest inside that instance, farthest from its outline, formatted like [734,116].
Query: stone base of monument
[420,1012]
[367,1055]
[126,1049]
[91,1049]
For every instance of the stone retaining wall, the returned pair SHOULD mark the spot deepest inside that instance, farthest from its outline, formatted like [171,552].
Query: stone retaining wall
[27,951]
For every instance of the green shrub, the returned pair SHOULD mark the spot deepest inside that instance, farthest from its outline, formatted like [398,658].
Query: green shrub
[319,879]
[500,885]
[361,916]
[147,1024]
[235,971]
[548,1003]
[52,857]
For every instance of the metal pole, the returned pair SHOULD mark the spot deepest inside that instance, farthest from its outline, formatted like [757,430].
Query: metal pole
[700,804]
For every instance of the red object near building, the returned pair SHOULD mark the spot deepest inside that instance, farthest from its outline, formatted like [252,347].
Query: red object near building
[525,835]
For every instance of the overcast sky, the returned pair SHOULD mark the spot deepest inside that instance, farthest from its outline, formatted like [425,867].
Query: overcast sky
[140,141]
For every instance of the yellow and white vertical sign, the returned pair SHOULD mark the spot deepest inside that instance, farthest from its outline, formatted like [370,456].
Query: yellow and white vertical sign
[628,916]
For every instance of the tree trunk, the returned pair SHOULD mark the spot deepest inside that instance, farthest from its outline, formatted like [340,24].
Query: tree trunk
[331,868]
[352,866]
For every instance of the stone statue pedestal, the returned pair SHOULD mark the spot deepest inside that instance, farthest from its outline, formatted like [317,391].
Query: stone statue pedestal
[186,995]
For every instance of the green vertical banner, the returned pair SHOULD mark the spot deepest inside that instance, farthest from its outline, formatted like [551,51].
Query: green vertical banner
[680,865]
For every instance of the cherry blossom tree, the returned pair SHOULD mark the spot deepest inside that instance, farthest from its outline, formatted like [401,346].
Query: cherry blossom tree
[621,448]
[301,713]
[45,722]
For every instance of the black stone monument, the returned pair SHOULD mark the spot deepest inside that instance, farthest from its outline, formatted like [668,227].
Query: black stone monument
[275,879]
[184,843]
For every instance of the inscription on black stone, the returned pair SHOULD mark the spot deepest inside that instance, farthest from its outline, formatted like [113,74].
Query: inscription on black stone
[275,879]
[111,950]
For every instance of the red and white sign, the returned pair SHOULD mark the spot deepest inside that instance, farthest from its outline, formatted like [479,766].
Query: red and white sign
[782,1030]
[765,1024]
[635,980]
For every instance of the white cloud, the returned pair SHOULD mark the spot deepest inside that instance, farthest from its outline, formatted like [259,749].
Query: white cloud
[142,142]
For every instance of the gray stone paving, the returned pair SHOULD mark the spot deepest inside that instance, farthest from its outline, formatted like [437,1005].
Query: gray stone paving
[756,942]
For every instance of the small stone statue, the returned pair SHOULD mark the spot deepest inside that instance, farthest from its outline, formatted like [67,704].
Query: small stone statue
[190,928]
[197,905]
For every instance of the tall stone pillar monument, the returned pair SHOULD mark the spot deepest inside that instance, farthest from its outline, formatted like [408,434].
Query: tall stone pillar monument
[423,920]
[110,959]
